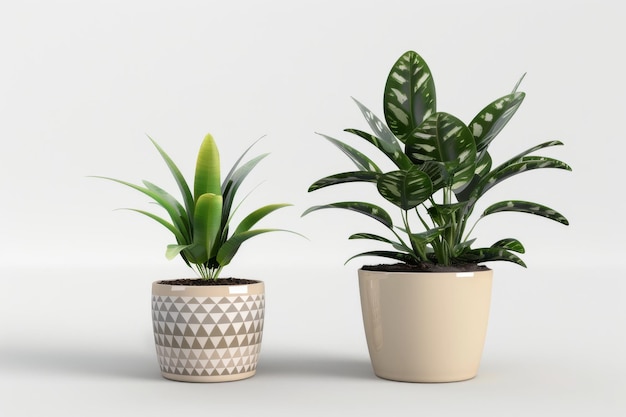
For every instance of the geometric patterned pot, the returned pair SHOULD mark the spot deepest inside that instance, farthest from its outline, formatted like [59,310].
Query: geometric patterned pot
[208,333]
[425,327]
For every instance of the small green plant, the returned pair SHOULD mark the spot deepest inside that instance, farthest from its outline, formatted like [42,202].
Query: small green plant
[443,169]
[201,224]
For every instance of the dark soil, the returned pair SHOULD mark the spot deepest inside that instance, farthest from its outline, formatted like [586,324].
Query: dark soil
[425,267]
[190,282]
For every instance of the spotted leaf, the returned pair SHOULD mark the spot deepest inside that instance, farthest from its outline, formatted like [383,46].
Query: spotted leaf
[405,189]
[409,95]
[526,207]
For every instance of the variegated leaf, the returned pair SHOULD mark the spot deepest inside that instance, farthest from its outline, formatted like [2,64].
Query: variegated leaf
[367,209]
[491,254]
[527,163]
[409,95]
[481,168]
[392,149]
[444,138]
[492,119]
[437,173]
[361,161]
[398,256]
[405,189]
[519,156]
[526,207]
[397,245]
[379,128]
[444,213]
[344,177]
[510,244]
[428,236]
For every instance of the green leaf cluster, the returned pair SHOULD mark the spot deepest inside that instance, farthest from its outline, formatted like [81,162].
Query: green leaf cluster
[201,224]
[442,169]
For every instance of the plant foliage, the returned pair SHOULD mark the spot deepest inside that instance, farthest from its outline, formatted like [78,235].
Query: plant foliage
[201,224]
[442,169]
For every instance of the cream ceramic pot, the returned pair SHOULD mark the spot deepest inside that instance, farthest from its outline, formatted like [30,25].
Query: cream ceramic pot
[425,327]
[208,333]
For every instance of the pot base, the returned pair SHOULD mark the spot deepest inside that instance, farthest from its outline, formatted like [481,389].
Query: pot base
[220,378]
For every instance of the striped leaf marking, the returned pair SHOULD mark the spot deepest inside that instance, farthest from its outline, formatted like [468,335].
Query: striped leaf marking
[398,246]
[398,256]
[409,96]
[510,244]
[393,150]
[442,138]
[344,177]
[361,161]
[367,209]
[491,254]
[405,189]
[527,163]
[492,119]
[379,128]
[526,207]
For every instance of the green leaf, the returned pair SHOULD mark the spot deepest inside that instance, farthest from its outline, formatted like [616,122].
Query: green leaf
[491,254]
[175,250]
[235,167]
[405,189]
[180,180]
[526,207]
[390,147]
[362,162]
[510,244]
[177,233]
[231,184]
[367,209]
[172,210]
[232,245]
[492,119]
[444,138]
[345,177]
[409,95]
[207,220]
[172,202]
[207,177]
[254,217]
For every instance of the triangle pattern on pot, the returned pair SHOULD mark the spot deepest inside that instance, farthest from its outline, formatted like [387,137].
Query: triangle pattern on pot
[208,336]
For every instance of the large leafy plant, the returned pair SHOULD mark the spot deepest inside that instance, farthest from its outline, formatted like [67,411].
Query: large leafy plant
[201,224]
[443,167]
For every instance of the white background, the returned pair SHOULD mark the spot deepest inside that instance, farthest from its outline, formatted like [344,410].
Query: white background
[83,82]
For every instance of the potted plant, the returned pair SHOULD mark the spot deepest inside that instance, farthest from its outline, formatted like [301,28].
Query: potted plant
[206,329]
[426,316]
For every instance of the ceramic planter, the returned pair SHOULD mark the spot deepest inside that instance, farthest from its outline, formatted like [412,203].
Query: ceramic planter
[208,333]
[425,327]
